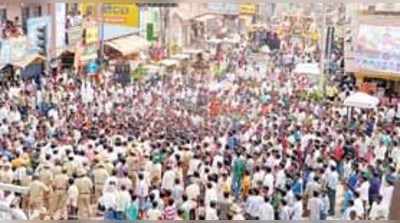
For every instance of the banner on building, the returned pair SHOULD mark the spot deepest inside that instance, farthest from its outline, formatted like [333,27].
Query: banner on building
[34,24]
[377,48]
[74,35]
[60,25]
[112,31]
[14,49]
[223,8]
[149,23]
[248,9]
[91,35]
[113,13]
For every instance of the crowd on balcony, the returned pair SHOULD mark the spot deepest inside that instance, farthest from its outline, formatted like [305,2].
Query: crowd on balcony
[10,29]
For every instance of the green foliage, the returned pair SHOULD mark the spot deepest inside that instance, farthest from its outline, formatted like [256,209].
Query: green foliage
[139,72]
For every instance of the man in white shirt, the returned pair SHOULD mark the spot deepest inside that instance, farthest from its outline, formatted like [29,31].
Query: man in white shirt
[193,191]
[280,177]
[363,190]
[168,179]
[332,183]
[109,199]
[211,211]
[111,182]
[154,214]
[123,200]
[314,206]
[358,205]
[379,211]
[297,210]
[386,191]
[142,189]
[269,180]
[266,210]
[253,203]
[351,210]
[211,194]
[258,176]
[284,212]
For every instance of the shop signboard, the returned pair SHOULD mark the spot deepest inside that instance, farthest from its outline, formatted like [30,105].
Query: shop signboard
[33,25]
[112,31]
[60,24]
[223,8]
[378,48]
[248,9]
[114,13]
[149,23]
[74,35]
[91,34]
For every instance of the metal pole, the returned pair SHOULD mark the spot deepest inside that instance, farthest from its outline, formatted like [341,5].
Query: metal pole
[323,46]
[102,33]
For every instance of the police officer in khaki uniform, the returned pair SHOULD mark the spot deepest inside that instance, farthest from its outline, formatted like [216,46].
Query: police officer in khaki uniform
[70,166]
[85,187]
[37,191]
[109,166]
[100,175]
[133,162]
[186,157]
[26,180]
[60,194]
[46,176]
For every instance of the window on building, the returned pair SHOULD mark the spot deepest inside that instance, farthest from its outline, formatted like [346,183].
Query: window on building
[25,16]
[3,15]
[72,8]
[37,11]
[30,12]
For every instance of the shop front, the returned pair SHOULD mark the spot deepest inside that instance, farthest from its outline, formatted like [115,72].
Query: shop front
[19,60]
[128,47]
[381,84]
[125,54]
[376,55]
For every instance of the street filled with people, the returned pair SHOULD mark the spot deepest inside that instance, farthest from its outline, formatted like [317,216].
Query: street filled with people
[247,144]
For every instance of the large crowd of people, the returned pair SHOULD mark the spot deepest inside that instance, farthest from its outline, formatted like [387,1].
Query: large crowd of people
[243,145]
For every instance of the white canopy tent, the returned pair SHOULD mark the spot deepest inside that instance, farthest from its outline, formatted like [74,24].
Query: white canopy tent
[181,56]
[361,100]
[169,62]
[214,41]
[265,49]
[129,44]
[307,68]
[192,51]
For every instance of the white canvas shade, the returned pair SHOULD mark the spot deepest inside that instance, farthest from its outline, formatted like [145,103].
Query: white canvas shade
[129,44]
[307,68]
[361,100]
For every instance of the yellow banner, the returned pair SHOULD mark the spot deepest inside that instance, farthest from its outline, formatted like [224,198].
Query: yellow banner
[91,35]
[113,13]
[249,9]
